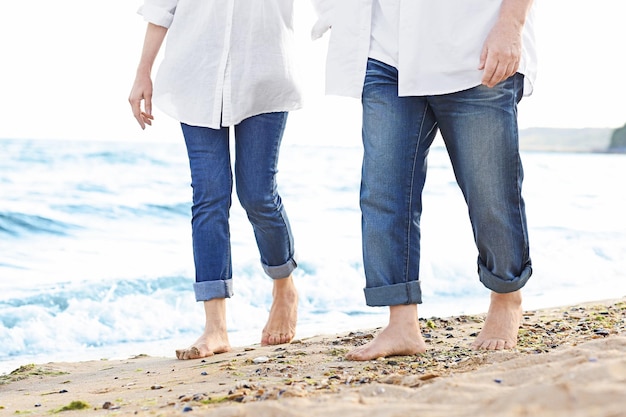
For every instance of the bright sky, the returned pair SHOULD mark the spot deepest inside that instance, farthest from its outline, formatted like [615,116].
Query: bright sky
[67,68]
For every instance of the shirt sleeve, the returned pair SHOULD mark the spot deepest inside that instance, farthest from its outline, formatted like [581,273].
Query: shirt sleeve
[158,12]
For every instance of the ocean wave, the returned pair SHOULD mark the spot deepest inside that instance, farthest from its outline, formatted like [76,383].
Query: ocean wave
[176,209]
[127,157]
[88,314]
[57,298]
[114,211]
[18,224]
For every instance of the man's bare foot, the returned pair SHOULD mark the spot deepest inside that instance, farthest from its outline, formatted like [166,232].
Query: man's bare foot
[402,336]
[281,324]
[502,322]
[215,337]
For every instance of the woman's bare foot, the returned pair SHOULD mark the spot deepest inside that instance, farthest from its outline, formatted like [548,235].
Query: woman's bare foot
[502,322]
[402,336]
[215,337]
[281,324]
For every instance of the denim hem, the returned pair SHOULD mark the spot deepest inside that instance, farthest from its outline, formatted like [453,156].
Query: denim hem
[208,290]
[395,294]
[501,286]
[281,271]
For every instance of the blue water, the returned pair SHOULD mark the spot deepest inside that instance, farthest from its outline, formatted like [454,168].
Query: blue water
[95,248]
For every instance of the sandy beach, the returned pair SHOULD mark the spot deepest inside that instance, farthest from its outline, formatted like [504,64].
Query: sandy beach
[570,361]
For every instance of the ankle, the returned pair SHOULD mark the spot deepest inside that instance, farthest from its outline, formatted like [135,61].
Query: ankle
[215,329]
[511,298]
[215,317]
[284,288]
[403,315]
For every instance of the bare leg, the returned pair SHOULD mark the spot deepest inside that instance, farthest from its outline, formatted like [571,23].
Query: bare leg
[281,324]
[402,336]
[215,337]
[502,322]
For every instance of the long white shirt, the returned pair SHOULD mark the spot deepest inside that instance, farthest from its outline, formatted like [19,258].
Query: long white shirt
[384,34]
[439,45]
[224,60]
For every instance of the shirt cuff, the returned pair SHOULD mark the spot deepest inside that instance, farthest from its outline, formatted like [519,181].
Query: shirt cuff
[156,15]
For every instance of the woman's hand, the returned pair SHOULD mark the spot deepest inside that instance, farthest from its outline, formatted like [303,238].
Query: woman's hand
[142,92]
[142,88]
[323,8]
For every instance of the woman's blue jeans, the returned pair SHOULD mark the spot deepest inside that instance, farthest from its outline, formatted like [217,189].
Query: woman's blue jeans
[479,128]
[257,143]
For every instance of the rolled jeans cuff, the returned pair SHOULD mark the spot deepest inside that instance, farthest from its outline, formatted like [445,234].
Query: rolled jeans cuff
[208,290]
[395,294]
[502,286]
[280,271]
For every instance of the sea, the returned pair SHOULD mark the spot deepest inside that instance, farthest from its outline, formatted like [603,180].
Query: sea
[96,260]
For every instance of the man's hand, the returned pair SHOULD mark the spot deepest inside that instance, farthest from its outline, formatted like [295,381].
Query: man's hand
[501,54]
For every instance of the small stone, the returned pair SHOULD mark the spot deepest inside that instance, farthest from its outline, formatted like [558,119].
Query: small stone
[187,409]
[260,359]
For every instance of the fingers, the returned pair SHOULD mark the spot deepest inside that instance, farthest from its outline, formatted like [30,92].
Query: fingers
[319,28]
[497,68]
[146,119]
[148,106]
[143,117]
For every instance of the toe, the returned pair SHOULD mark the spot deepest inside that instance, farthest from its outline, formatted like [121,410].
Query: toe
[193,353]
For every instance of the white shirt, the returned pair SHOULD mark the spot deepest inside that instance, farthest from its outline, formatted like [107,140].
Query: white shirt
[439,45]
[384,36]
[224,60]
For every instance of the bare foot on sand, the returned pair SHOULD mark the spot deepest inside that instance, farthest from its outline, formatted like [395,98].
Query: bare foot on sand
[502,322]
[402,336]
[281,324]
[215,337]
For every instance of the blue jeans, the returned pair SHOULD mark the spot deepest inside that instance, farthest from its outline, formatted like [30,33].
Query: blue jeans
[257,143]
[479,128]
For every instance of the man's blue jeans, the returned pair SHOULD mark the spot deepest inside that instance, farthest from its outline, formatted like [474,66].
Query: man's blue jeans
[479,128]
[257,143]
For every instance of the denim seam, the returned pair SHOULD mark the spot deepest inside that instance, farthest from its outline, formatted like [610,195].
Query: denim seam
[407,246]
[410,205]
[518,177]
[281,212]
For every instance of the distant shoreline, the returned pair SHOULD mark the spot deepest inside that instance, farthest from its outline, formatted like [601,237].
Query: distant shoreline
[568,140]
